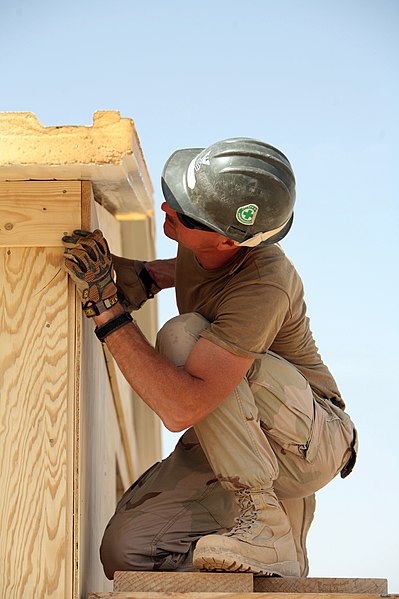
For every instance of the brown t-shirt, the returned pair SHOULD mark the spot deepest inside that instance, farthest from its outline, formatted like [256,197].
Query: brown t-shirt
[254,303]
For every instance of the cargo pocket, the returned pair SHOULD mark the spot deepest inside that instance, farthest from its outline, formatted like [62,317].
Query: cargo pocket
[310,450]
[344,432]
[350,464]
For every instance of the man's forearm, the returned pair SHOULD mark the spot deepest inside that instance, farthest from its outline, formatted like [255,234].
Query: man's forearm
[163,272]
[171,392]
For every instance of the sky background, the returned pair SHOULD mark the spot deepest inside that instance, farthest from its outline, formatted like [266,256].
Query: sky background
[319,80]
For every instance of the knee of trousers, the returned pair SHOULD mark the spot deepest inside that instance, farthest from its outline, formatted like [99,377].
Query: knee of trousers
[123,548]
[177,337]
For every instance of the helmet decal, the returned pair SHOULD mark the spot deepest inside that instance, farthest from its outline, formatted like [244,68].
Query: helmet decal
[246,215]
[201,160]
[191,174]
[194,167]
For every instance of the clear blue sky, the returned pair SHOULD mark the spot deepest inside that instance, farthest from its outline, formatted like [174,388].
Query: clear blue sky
[319,79]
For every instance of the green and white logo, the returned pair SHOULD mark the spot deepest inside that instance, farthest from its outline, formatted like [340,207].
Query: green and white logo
[246,215]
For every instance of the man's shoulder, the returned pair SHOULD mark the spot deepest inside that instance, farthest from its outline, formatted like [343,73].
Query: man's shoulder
[270,263]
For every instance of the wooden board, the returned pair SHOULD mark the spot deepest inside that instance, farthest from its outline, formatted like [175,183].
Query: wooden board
[320,585]
[183,582]
[197,595]
[35,520]
[38,213]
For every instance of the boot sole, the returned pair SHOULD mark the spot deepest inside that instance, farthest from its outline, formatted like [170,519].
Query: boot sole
[231,562]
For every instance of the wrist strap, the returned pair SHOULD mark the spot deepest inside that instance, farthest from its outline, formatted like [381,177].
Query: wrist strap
[112,325]
[91,308]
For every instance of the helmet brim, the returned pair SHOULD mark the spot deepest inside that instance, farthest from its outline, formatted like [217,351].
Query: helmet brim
[279,236]
[174,180]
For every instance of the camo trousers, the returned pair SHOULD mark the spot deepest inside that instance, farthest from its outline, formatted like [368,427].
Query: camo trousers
[271,431]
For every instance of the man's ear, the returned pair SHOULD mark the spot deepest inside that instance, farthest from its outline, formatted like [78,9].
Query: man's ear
[225,244]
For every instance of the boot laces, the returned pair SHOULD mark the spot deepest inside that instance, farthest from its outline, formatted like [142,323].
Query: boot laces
[248,513]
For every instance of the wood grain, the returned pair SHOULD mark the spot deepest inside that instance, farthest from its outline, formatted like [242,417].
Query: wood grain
[320,585]
[123,427]
[38,213]
[199,595]
[33,424]
[183,582]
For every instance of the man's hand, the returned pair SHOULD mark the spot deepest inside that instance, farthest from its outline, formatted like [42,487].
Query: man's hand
[88,262]
[135,284]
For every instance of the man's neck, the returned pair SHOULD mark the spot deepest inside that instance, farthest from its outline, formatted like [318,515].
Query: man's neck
[211,259]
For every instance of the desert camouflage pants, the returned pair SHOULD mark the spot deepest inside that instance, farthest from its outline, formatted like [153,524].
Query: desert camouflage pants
[271,431]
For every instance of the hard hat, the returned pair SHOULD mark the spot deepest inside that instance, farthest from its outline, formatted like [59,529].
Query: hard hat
[241,188]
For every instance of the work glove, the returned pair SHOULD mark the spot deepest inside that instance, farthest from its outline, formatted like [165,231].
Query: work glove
[134,282]
[88,261]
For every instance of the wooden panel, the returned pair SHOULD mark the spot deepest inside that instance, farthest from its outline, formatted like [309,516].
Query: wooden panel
[320,585]
[138,243]
[183,582]
[35,523]
[120,414]
[38,213]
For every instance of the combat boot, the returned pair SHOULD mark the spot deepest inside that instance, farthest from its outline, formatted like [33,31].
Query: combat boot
[260,542]
[300,513]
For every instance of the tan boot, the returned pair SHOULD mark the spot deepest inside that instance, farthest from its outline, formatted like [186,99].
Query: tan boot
[261,541]
[300,513]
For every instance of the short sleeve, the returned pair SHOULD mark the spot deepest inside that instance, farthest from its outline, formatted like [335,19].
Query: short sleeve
[248,319]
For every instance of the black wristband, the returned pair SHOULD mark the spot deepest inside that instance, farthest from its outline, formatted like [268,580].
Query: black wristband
[112,325]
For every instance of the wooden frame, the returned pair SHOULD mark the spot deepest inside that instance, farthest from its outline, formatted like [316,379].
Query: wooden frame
[67,416]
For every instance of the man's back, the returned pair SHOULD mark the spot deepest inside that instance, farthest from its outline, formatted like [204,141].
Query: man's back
[255,303]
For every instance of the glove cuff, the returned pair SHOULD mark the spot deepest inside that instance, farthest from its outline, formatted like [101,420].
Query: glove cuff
[149,284]
[91,308]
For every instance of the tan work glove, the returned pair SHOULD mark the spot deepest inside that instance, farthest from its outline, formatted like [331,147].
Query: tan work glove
[134,282]
[88,261]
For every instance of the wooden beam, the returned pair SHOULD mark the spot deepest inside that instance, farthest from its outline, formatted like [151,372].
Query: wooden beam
[198,595]
[183,582]
[38,213]
[320,585]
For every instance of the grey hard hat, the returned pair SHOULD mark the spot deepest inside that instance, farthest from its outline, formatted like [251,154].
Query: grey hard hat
[242,188]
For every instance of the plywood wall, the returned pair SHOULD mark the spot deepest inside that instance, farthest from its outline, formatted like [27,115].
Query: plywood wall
[37,324]
[69,423]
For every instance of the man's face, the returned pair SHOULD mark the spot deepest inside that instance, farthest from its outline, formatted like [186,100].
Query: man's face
[194,239]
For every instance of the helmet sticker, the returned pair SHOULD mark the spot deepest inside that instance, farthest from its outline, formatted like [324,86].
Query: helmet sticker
[201,160]
[194,167]
[191,174]
[246,215]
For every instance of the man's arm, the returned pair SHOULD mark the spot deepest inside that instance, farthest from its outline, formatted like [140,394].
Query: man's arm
[180,396]
[137,281]
[163,272]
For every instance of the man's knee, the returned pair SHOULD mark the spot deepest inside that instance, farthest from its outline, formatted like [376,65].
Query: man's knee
[178,336]
[124,548]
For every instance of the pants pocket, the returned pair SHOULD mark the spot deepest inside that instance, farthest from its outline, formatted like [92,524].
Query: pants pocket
[342,432]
